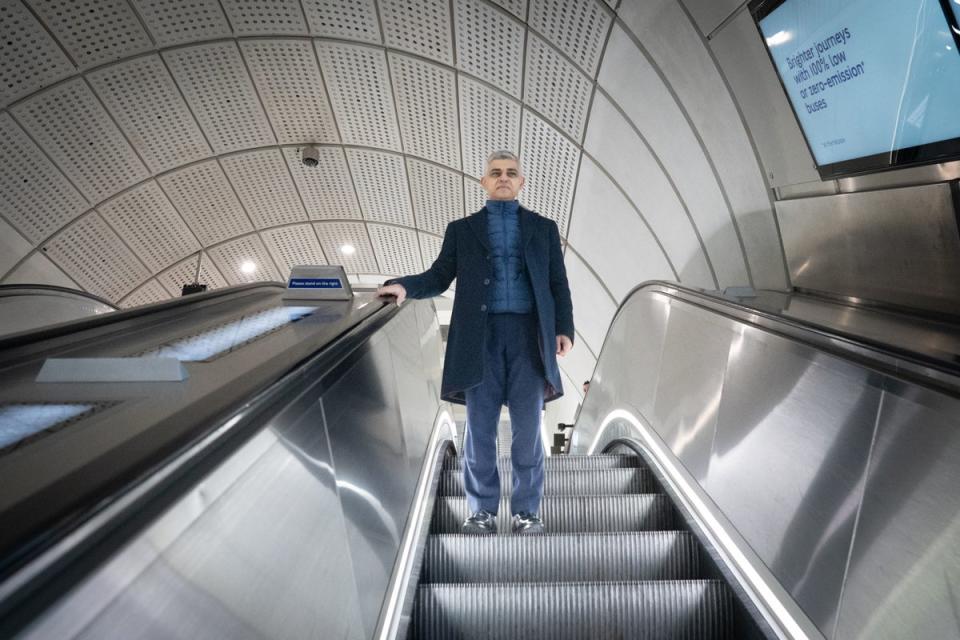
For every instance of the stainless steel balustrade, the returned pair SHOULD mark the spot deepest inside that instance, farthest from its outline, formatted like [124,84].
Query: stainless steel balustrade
[832,466]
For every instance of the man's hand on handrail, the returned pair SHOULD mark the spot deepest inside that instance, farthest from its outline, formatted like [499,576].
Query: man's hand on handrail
[396,290]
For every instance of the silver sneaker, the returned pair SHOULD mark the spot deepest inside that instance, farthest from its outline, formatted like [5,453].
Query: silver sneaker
[482,522]
[527,524]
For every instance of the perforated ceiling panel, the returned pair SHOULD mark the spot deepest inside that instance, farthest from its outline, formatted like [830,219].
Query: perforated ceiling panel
[576,27]
[288,80]
[264,186]
[334,236]
[94,32]
[203,196]
[437,195]
[96,258]
[326,189]
[265,17]
[475,198]
[218,89]
[29,57]
[148,223]
[151,292]
[360,91]
[550,166]
[244,260]
[180,21]
[381,182]
[478,25]
[68,122]
[489,120]
[185,271]
[397,249]
[346,19]
[147,105]
[293,245]
[555,88]
[34,197]
[429,247]
[418,27]
[429,127]
[516,7]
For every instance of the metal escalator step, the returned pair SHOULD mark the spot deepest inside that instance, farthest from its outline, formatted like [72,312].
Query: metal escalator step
[567,482]
[563,462]
[680,610]
[573,514]
[581,557]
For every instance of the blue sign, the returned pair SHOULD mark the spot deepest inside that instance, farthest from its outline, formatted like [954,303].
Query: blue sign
[315,283]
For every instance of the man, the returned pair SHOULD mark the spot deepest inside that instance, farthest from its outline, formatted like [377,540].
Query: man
[511,316]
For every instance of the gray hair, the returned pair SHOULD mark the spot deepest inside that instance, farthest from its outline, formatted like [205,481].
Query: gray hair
[504,154]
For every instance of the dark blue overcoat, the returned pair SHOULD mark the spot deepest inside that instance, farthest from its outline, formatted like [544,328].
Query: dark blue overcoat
[465,255]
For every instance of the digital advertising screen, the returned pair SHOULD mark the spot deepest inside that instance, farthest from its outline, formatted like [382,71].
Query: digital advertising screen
[875,84]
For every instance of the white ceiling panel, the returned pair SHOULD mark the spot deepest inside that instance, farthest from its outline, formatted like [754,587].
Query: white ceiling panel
[70,124]
[149,293]
[265,188]
[589,296]
[218,89]
[437,195]
[343,19]
[293,245]
[147,105]
[29,58]
[489,121]
[148,223]
[617,244]
[327,189]
[34,196]
[556,88]
[576,27]
[490,44]
[334,235]
[94,33]
[550,165]
[429,127]
[265,17]
[185,271]
[516,7]
[203,196]
[474,197]
[381,181]
[13,247]
[429,247]
[231,258]
[421,27]
[174,22]
[357,80]
[618,148]
[96,258]
[38,269]
[398,250]
[288,80]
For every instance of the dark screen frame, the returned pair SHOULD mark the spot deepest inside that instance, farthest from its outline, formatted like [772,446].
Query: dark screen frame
[930,153]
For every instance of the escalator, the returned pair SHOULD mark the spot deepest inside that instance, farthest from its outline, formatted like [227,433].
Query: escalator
[618,562]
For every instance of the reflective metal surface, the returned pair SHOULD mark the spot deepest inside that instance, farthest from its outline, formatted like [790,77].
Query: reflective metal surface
[899,246]
[818,453]
[296,534]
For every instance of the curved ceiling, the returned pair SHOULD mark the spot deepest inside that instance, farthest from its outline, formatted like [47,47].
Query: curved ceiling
[138,137]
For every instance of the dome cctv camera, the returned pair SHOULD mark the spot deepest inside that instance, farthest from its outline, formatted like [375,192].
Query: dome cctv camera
[310,156]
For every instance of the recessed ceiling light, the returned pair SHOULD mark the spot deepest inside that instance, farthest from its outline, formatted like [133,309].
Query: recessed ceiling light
[348,249]
[248,267]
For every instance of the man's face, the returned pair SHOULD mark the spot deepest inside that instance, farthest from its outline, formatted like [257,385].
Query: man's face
[502,180]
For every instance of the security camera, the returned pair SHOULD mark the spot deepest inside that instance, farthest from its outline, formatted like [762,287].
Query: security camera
[310,156]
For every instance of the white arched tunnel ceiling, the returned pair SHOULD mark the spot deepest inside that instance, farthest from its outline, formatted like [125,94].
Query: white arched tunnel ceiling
[138,136]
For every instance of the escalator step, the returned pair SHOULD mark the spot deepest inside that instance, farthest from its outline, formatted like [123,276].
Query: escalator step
[573,514]
[594,557]
[567,482]
[563,462]
[680,610]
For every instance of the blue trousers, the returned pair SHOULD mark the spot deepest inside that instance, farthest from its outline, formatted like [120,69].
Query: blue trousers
[512,375]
